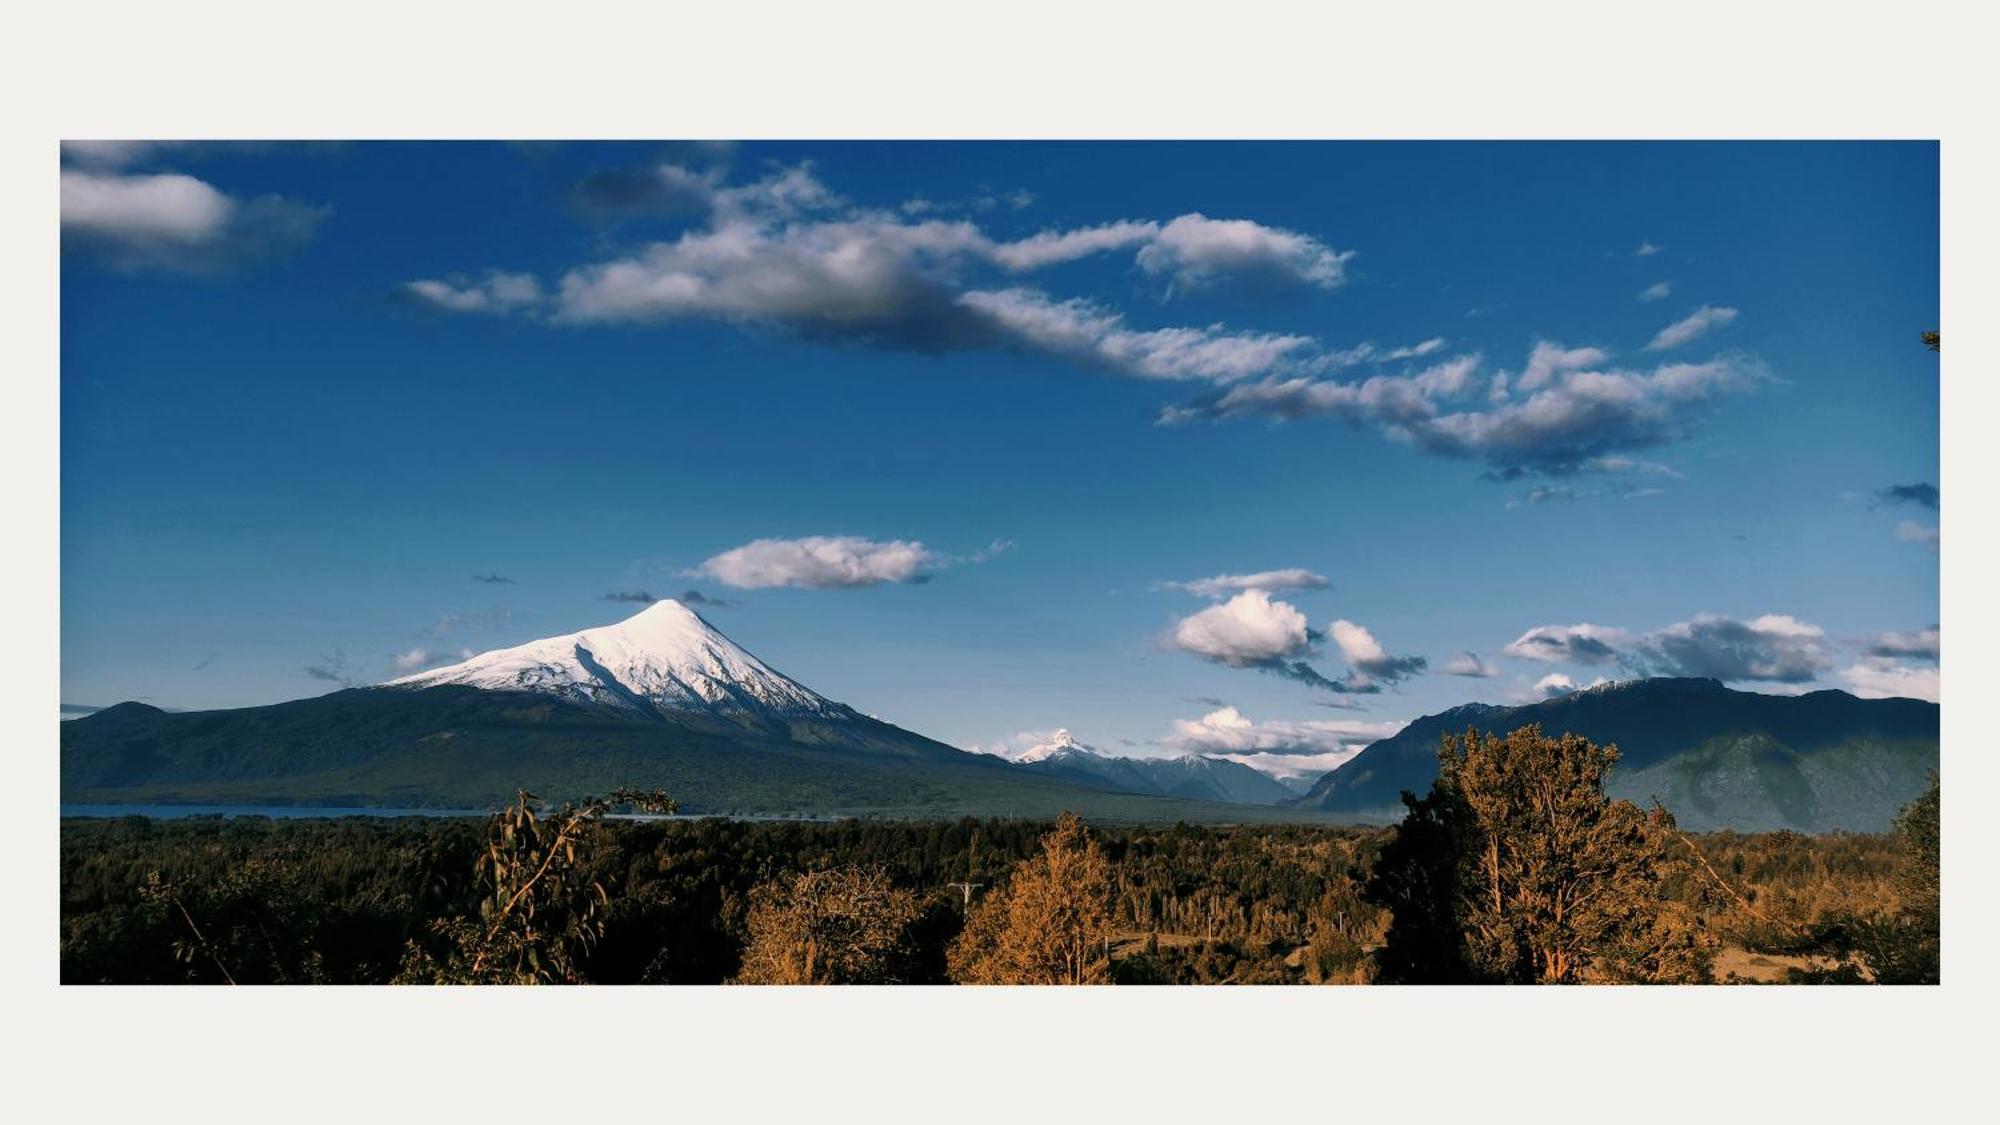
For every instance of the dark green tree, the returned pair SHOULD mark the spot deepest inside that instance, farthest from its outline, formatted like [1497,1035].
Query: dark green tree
[541,912]
[255,924]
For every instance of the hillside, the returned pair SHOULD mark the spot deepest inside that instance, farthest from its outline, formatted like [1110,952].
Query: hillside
[459,747]
[1717,758]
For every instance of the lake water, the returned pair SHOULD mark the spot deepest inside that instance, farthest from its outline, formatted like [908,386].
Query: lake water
[307,812]
[275,812]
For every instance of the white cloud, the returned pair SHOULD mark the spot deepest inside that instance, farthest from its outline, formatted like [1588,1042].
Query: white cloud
[820,562]
[1568,644]
[1910,531]
[1555,684]
[1919,644]
[1470,663]
[110,154]
[1013,746]
[883,281]
[1396,402]
[1247,631]
[1251,630]
[1088,333]
[784,194]
[1196,251]
[1879,678]
[1549,359]
[1269,581]
[1555,493]
[1285,749]
[1585,415]
[1657,292]
[1691,326]
[1551,494]
[1366,655]
[1772,649]
[1564,415]
[168,207]
[786,252]
[176,222]
[1326,361]
[1647,250]
[1775,648]
[869,278]
[410,661]
[989,552]
[497,293]
[1055,247]
[1416,351]
[1629,465]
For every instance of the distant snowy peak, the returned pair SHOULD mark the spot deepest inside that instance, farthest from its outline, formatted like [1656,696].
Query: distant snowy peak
[1063,746]
[1059,745]
[663,659]
[1193,776]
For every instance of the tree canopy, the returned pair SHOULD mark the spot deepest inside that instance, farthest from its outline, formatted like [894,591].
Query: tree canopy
[1050,923]
[1516,868]
[848,925]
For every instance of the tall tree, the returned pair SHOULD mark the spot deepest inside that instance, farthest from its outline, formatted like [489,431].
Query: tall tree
[541,911]
[1905,948]
[1050,923]
[1516,868]
[849,925]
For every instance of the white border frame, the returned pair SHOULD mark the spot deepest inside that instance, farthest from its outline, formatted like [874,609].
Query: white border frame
[1032,68]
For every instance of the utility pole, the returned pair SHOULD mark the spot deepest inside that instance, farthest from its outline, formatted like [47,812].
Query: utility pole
[966,889]
[971,868]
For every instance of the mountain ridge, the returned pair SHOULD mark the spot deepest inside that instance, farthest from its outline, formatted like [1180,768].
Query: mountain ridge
[1193,776]
[660,699]
[1716,757]
[664,699]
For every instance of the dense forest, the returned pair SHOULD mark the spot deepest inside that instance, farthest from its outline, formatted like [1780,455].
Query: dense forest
[1497,875]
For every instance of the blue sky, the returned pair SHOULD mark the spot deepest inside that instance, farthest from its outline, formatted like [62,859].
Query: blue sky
[941,422]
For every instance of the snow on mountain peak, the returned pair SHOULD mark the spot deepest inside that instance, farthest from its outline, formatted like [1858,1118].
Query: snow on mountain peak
[663,658]
[1059,743]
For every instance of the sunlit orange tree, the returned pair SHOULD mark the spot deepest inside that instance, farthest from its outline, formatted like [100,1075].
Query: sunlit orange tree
[1516,868]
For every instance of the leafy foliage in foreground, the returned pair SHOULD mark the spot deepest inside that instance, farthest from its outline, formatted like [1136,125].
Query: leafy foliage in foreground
[1050,923]
[305,901]
[847,925]
[1516,869]
[540,915]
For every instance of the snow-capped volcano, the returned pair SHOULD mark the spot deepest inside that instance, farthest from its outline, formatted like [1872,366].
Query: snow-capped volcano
[664,659]
[1059,745]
